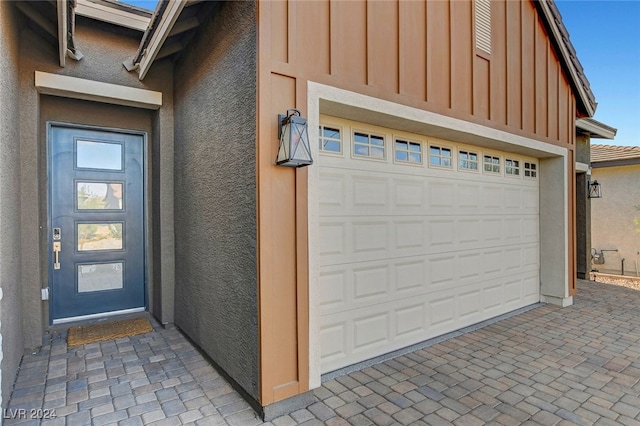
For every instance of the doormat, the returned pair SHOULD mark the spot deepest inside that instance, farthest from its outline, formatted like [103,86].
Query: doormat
[99,333]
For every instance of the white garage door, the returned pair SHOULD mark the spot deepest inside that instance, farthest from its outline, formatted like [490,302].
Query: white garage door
[418,237]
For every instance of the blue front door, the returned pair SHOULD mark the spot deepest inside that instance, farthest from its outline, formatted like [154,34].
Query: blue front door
[96,222]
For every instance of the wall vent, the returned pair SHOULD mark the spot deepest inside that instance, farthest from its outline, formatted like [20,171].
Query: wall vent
[483,25]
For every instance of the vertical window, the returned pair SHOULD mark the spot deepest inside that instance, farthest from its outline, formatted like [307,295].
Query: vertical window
[483,25]
[530,170]
[467,160]
[408,152]
[330,139]
[366,145]
[439,156]
[491,164]
[512,167]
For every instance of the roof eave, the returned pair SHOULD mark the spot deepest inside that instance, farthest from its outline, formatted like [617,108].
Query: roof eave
[595,128]
[122,16]
[162,22]
[63,29]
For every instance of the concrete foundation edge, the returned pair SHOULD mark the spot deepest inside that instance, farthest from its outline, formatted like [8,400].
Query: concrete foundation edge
[555,300]
[287,406]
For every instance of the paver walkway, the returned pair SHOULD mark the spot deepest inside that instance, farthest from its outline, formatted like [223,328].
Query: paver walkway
[547,366]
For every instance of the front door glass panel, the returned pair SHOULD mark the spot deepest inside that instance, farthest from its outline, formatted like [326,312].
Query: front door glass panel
[99,195]
[100,236]
[98,155]
[100,277]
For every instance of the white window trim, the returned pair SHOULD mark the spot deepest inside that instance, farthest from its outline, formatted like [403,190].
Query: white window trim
[407,162]
[524,170]
[368,157]
[454,157]
[342,140]
[520,168]
[500,164]
[478,155]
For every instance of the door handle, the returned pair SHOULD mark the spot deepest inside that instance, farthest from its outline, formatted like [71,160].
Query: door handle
[57,247]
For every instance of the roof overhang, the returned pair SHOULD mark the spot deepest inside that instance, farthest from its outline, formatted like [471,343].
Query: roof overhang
[172,25]
[595,128]
[615,163]
[62,7]
[159,34]
[124,16]
[560,38]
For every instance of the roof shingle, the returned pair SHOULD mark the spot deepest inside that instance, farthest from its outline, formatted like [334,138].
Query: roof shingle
[603,153]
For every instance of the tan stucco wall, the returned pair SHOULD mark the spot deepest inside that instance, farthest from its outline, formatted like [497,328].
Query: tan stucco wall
[105,47]
[11,342]
[612,216]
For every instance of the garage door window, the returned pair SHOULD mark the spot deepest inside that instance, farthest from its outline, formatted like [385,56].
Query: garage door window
[330,140]
[440,156]
[468,161]
[530,170]
[367,145]
[512,167]
[491,164]
[408,152]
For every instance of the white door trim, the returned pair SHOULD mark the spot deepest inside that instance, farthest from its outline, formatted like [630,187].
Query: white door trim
[98,91]
[346,104]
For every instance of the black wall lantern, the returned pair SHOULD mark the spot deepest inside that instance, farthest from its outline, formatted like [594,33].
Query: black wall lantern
[595,189]
[294,150]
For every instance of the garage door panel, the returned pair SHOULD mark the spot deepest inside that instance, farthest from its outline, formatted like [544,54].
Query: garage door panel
[468,196]
[352,286]
[410,320]
[441,194]
[409,233]
[441,271]
[408,194]
[442,310]
[531,257]
[333,239]
[409,275]
[409,252]
[471,305]
[390,325]
[369,237]
[441,234]
[470,231]
[360,239]
[342,193]
[513,292]
[368,192]
[371,284]
[469,266]
[332,194]
[333,343]
[334,288]
[371,331]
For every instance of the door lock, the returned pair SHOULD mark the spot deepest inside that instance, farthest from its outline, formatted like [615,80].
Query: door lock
[57,247]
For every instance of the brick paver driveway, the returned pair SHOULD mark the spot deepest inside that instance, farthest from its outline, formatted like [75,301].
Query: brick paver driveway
[547,366]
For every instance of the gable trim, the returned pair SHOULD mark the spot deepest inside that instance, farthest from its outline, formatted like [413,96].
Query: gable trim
[80,88]
[578,80]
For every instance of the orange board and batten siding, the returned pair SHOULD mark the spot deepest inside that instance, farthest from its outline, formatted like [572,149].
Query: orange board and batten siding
[417,53]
